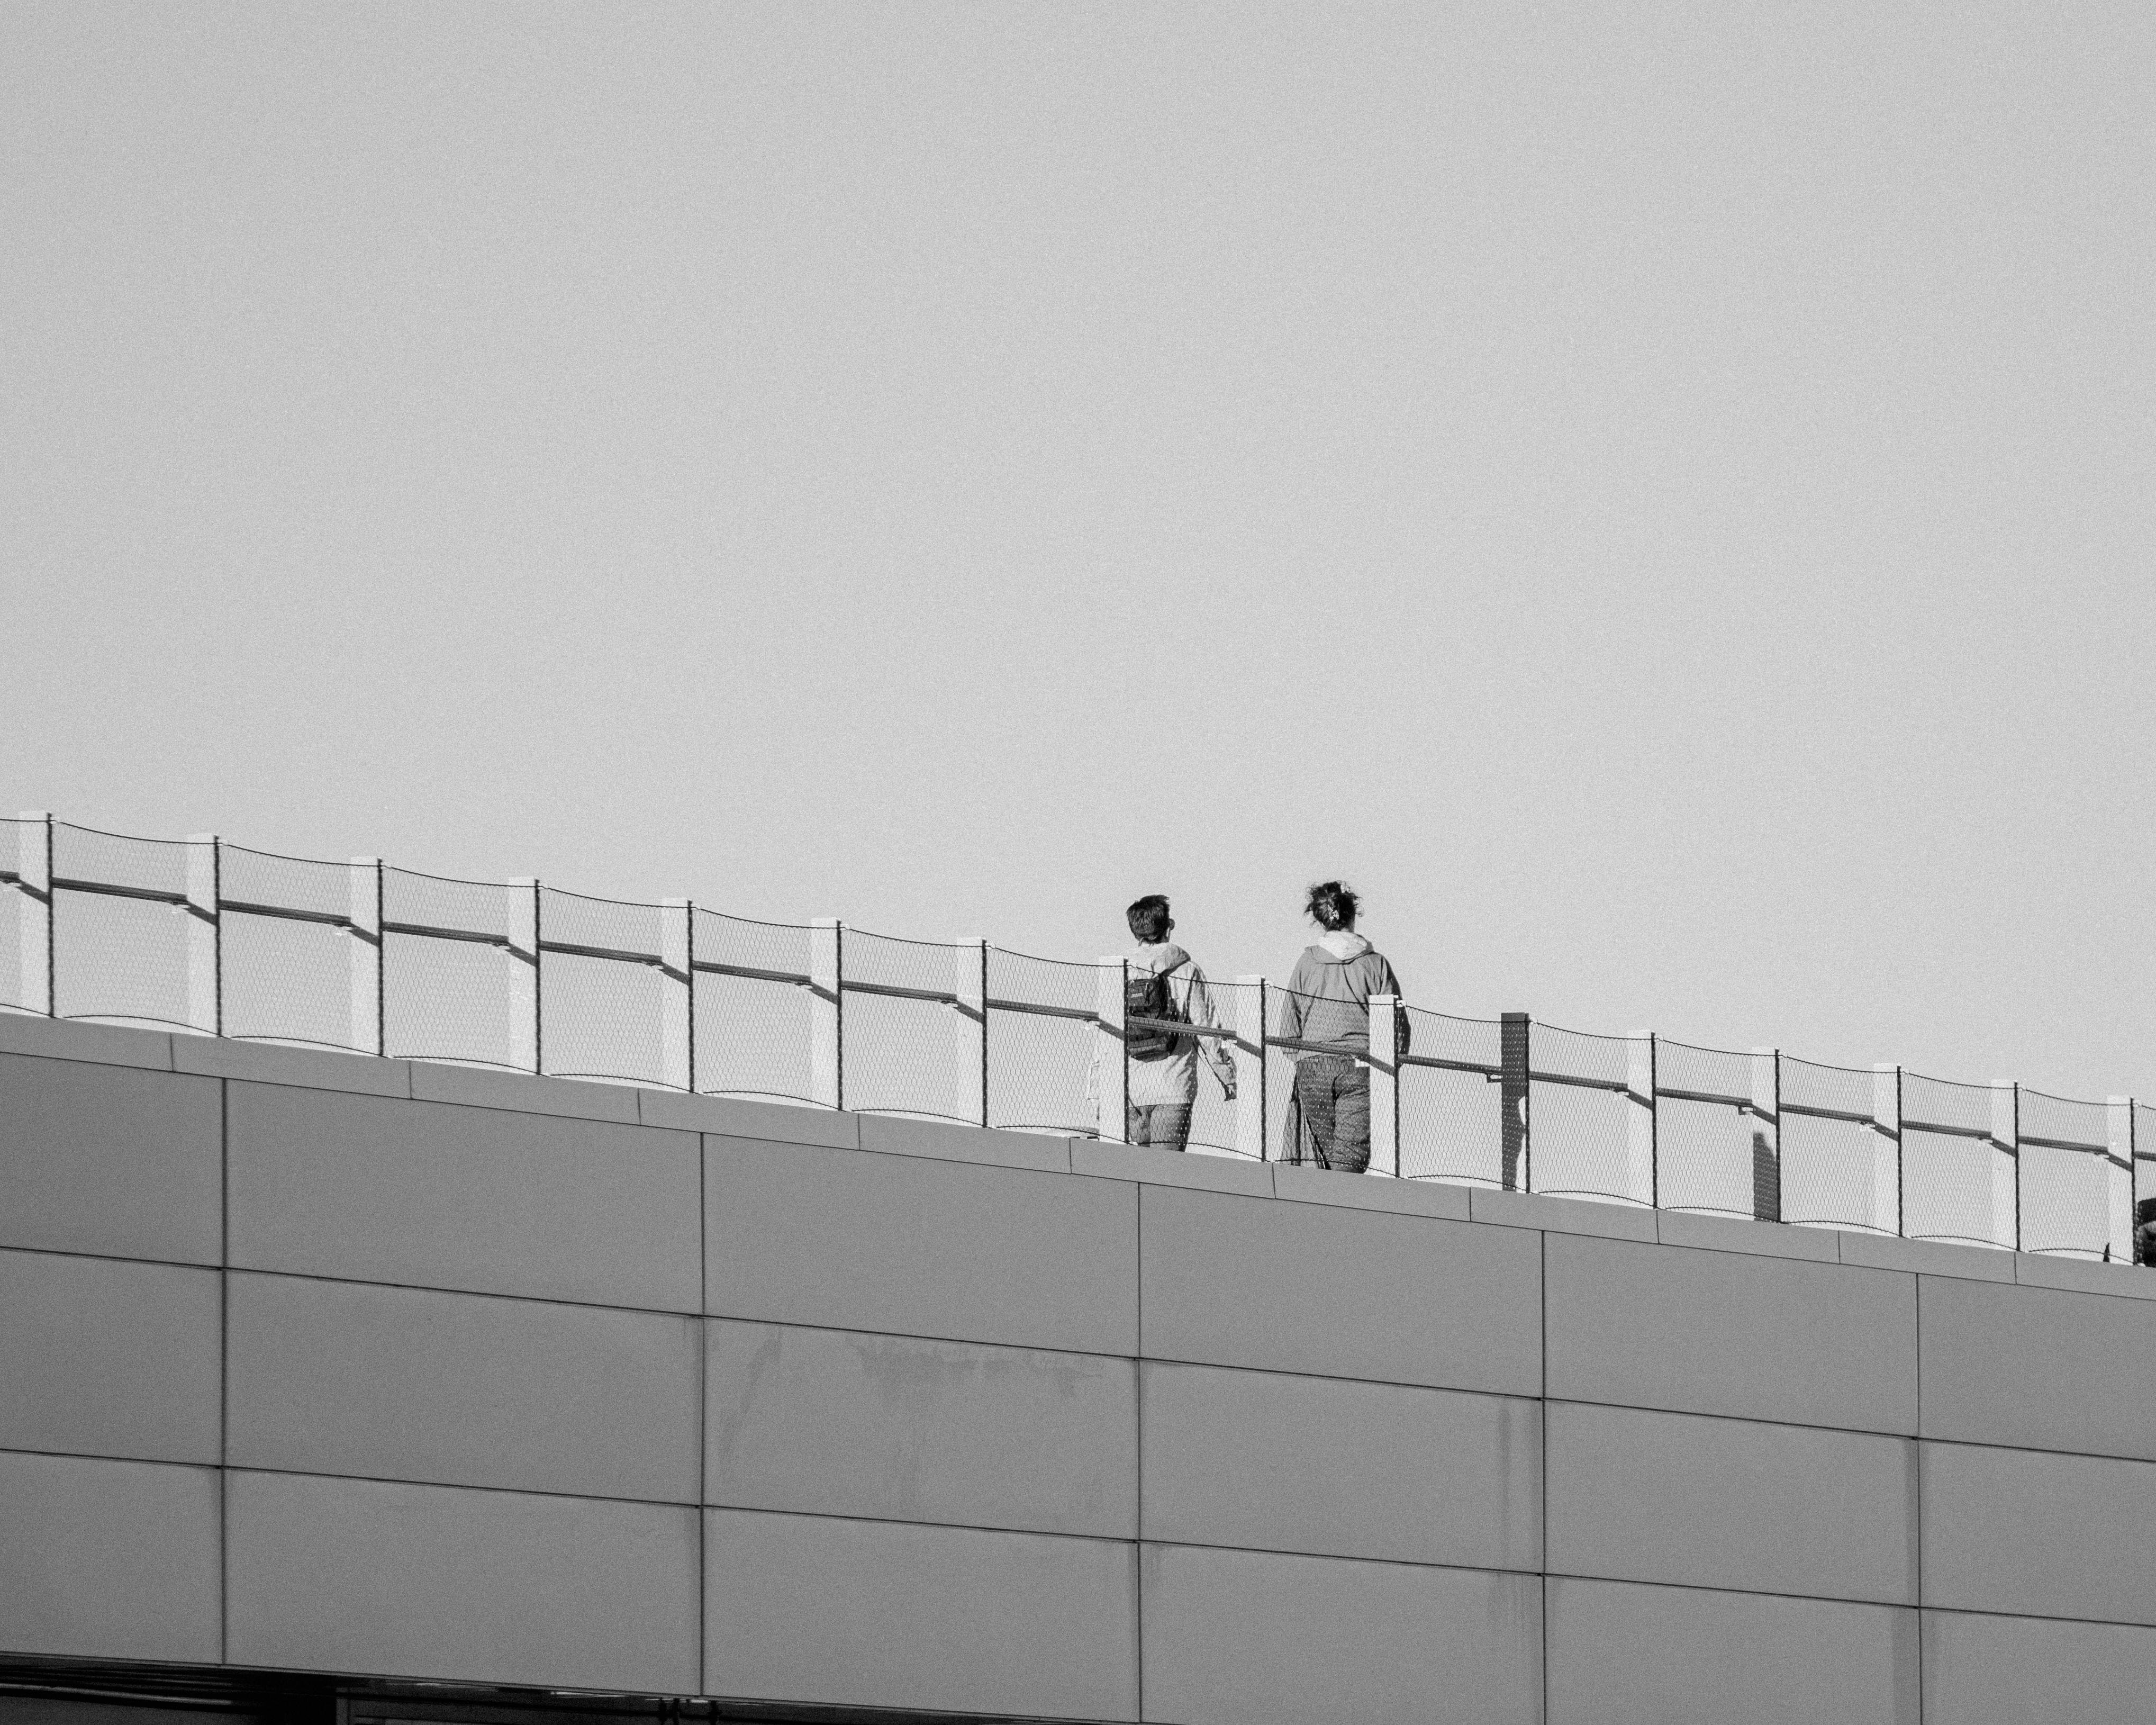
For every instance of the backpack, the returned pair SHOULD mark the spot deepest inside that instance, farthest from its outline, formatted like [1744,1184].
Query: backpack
[1148,996]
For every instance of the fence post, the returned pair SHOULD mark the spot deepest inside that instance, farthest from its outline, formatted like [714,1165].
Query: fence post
[1516,1145]
[2006,1182]
[364,910]
[1111,1052]
[33,911]
[1251,1058]
[2118,1117]
[205,935]
[1887,1146]
[827,1012]
[1643,1162]
[677,993]
[1766,1134]
[970,986]
[527,1048]
[1385,1084]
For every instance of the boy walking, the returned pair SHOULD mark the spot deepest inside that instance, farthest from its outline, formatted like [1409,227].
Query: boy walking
[1165,984]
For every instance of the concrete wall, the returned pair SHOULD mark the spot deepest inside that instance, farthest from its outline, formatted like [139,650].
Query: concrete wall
[371,1367]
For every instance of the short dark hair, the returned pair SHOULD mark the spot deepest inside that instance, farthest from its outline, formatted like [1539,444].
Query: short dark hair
[1332,904]
[1148,917]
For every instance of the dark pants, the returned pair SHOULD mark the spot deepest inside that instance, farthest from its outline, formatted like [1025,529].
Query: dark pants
[1166,1127]
[1334,1092]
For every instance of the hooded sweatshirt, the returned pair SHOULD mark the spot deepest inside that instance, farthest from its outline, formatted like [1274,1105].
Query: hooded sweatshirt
[1328,995]
[1173,1078]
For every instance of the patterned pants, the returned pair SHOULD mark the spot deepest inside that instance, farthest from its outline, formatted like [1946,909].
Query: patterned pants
[1335,1094]
[1167,1127]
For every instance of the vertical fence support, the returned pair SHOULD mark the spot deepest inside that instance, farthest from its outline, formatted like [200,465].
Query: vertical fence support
[33,911]
[1111,1052]
[1385,1084]
[1766,1134]
[1251,1057]
[1886,1213]
[1515,1145]
[2006,1176]
[1643,1162]
[205,935]
[365,954]
[677,993]
[827,1012]
[2118,1207]
[970,986]
[527,1048]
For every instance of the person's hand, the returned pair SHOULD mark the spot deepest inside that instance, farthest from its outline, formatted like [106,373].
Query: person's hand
[1227,1090]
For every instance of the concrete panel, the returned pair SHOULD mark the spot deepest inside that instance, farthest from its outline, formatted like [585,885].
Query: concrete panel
[849,1239]
[2039,1368]
[69,1039]
[1561,1215]
[836,1422]
[1335,1468]
[309,1068]
[1929,1257]
[430,1581]
[819,1609]
[1255,1638]
[524,1092]
[1732,1503]
[1724,1333]
[737,1117]
[1144,1164]
[108,1560]
[2038,1269]
[1306,1287]
[2040,1535]
[100,1356]
[964,1143]
[2019,1671]
[1303,1182]
[1626,1655]
[461,1389]
[478,1198]
[110,1160]
[1728,1233]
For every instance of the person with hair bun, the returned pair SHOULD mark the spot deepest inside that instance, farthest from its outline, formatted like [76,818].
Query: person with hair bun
[1327,1007]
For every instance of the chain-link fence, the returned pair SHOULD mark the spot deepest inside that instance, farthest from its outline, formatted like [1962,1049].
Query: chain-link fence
[216,938]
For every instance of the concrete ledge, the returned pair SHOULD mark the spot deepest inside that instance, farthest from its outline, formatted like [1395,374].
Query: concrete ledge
[949,1142]
[524,1092]
[1728,1233]
[738,1117]
[1562,1215]
[274,1063]
[2132,1281]
[1928,1257]
[1171,1167]
[1303,1184]
[68,1040]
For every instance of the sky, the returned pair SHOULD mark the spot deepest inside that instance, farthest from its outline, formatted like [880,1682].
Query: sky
[1657,497]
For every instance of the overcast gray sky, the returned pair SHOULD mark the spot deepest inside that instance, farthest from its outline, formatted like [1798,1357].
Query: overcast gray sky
[1658,497]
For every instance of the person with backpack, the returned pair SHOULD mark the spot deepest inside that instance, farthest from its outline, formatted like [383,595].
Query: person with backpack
[1164,985]
[1327,1003]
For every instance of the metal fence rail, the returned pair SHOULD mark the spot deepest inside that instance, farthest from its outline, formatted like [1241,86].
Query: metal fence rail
[205,936]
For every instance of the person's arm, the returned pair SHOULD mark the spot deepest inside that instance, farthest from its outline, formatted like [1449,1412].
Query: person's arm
[1199,1007]
[1291,1009]
[1392,988]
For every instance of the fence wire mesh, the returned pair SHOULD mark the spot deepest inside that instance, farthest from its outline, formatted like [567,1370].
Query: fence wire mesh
[602,1017]
[2066,1193]
[905,1055]
[287,980]
[1586,1138]
[1716,1156]
[446,998]
[1836,1172]
[17,989]
[1040,1062]
[130,960]
[757,1039]
[1957,1183]
[1452,1121]
[2144,1181]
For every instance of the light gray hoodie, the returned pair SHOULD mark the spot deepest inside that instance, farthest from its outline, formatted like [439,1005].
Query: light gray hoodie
[1328,998]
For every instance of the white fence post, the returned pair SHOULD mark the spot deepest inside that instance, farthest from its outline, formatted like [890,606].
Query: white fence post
[1251,1056]
[677,993]
[34,911]
[1643,1165]
[205,935]
[827,1012]
[2006,1174]
[1766,1134]
[2118,1116]
[1110,1052]
[970,984]
[1385,1084]
[1886,1213]
[527,1048]
[367,949]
